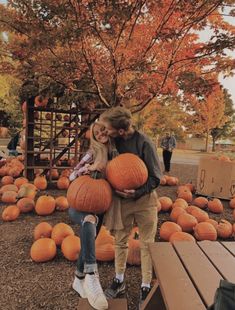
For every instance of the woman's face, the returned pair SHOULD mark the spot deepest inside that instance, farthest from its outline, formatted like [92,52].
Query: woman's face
[100,133]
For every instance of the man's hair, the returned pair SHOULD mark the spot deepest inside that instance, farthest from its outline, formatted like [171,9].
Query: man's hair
[118,117]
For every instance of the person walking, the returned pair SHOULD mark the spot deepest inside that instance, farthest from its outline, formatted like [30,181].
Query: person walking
[168,143]
[86,282]
[137,205]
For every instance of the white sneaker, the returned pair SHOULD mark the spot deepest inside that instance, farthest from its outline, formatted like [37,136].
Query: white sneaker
[78,286]
[94,292]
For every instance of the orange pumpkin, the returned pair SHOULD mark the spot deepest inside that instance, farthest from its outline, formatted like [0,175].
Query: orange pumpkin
[126,171]
[232,203]
[104,237]
[45,205]
[133,257]
[9,187]
[26,192]
[43,250]
[205,231]
[7,180]
[25,205]
[71,247]
[186,195]
[61,203]
[224,229]
[213,222]
[89,195]
[215,206]
[200,215]
[172,181]
[20,181]
[105,252]
[60,231]
[200,202]
[63,183]
[166,203]
[180,202]
[167,229]
[10,213]
[181,236]
[40,182]
[163,180]
[42,230]
[175,213]
[9,197]
[187,222]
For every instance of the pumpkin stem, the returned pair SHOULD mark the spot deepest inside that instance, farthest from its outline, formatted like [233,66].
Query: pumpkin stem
[136,235]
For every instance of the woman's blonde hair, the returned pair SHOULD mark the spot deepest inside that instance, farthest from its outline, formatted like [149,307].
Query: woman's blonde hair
[99,150]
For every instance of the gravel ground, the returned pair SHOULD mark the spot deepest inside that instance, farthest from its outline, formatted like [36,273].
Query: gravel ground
[26,285]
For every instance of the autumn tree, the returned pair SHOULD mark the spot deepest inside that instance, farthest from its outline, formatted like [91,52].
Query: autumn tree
[116,52]
[225,130]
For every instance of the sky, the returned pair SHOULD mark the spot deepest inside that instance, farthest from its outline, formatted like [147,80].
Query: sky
[228,83]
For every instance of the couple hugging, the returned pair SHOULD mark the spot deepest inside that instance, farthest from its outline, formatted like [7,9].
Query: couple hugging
[114,134]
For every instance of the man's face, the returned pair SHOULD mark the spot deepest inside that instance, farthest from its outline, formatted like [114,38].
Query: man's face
[111,132]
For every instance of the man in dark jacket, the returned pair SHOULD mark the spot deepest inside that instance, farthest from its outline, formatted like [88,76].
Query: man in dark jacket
[12,145]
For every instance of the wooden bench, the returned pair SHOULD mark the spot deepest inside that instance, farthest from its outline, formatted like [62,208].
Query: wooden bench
[189,273]
[114,304]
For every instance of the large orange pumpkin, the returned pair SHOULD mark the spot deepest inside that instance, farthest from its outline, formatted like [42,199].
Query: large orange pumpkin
[43,250]
[71,247]
[105,252]
[89,195]
[167,229]
[60,231]
[42,230]
[126,171]
[45,205]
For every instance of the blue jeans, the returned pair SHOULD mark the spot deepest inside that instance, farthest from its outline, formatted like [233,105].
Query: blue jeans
[88,231]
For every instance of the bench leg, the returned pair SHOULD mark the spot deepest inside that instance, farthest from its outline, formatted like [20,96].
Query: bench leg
[154,299]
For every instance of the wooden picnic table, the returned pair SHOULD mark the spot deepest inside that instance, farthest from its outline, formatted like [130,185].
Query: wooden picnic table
[188,273]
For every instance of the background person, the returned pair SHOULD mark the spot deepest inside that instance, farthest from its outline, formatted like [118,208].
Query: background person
[168,143]
[136,205]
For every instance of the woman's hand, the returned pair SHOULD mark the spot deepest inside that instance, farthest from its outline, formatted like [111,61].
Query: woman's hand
[126,193]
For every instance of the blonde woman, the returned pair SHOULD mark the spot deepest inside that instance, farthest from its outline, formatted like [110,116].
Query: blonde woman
[86,281]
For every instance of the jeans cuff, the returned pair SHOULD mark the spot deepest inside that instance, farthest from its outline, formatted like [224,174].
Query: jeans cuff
[90,268]
[79,273]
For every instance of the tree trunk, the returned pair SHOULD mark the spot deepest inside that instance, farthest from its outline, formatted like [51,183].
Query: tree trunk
[213,144]
[207,140]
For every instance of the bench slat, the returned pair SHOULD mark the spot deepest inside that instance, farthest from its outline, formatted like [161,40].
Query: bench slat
[176,287]
[199,267]
[221,258]
[230,245]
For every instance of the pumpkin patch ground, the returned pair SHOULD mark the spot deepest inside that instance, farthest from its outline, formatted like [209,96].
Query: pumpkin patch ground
[29,285]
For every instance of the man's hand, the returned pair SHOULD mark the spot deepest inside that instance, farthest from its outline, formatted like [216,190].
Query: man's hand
[126,193]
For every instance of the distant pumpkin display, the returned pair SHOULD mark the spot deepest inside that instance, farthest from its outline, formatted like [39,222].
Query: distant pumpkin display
[126,171]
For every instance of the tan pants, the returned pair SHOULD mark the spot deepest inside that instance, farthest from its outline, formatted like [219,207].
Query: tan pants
[143,211]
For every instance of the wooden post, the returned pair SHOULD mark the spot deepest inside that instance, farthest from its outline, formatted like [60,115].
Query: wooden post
[29,139]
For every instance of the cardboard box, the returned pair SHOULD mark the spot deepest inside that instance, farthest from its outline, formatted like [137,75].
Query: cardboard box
[216,178]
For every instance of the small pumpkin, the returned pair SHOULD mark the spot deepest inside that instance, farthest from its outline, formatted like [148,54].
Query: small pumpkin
[181,236]
[60,231]
[166,203]
[63,183]
[7,180]
[215,205]
[10,213]
[224,229]
[167,229]
[105,252]
[9,197]
[126,171]
[25,205]
[200,202]
[205,231]
[43,250]
[45,205]
[20,181]
[61,203]
[70,247]
[42,230]
[40,182]
[187,222]
[175,213]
